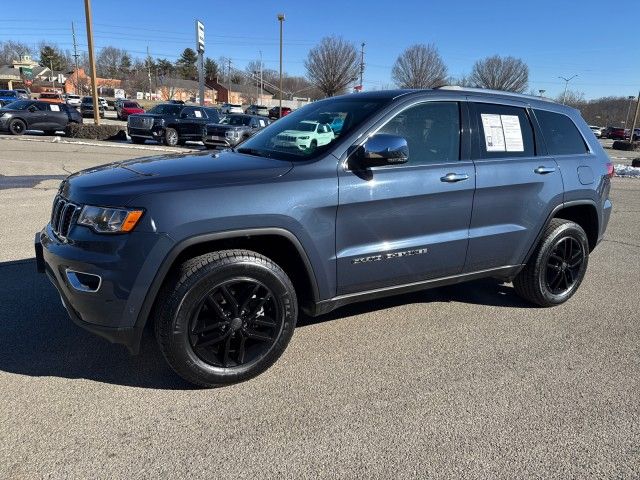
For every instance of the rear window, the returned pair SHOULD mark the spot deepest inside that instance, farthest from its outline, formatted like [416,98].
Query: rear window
[560,134]
[131,105]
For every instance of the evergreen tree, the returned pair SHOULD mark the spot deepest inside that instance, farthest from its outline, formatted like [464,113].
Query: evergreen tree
[51,57]
[186,64]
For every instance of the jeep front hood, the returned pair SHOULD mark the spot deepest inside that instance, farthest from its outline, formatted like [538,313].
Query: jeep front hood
[118,183]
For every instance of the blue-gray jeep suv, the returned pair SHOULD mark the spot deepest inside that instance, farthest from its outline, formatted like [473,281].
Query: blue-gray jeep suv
[219,252]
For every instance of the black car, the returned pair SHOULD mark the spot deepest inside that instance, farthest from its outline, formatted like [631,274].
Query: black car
[233,129]
[22,115]
[171,123]
[86,107]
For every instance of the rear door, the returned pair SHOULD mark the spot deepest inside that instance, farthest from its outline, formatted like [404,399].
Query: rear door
[406,223]
[517,184]
[57,116]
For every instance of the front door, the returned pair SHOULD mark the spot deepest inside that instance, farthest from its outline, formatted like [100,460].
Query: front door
[407,223]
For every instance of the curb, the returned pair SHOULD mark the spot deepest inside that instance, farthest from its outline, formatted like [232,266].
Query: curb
[97,143]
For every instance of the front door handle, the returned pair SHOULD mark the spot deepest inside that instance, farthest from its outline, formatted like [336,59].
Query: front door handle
[544,170]
[454,177]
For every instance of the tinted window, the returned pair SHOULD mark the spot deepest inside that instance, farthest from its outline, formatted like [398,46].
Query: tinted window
[432,132]
[560,134]
[166,109]
[505,131]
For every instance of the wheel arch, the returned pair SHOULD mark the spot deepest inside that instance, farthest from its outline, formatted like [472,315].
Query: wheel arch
[278,244]
[582,212]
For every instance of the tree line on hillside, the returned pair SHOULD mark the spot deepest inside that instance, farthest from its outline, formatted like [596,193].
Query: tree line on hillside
[332,67]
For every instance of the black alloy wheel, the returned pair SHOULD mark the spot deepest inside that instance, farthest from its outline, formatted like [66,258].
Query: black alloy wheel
[557,266]
[564,265]
[17,127]
[235,324]
[225,317]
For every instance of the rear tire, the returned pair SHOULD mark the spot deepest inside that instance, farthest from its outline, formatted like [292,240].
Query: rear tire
[557,267]
[17,127]
[138,140]
[225,317]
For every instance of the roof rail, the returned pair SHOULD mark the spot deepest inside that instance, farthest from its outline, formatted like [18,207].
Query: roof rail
[493,92]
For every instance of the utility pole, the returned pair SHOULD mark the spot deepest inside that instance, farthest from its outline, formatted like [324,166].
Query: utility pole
[75,56]
[229,80]
[261,82]
[149,71]
[626,119]
[281,20]
[53,80]
[566,85]
[635,119]
[362,66]
[92,62]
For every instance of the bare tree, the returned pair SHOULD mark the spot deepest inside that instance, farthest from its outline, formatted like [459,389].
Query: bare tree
[109,60]
[332,65]
[573,99]
[11,51]
[498,73]
[419,66]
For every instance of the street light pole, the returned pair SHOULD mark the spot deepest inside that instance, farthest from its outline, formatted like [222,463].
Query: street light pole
[92,62]
[566,86]
[281,20]
[541,92]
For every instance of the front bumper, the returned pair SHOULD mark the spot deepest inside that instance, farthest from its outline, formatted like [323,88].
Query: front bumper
[155,133]
[220,141]
[126,265]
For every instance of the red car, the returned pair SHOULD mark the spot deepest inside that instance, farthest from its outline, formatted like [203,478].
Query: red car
[275,112]
[615,133]
[128,108]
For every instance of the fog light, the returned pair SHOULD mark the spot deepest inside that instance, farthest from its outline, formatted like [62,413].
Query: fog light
[83,282]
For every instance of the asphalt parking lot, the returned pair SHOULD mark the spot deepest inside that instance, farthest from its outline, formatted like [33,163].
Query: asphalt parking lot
[465,381]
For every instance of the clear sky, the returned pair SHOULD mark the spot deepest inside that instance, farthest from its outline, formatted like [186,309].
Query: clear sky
[555,38]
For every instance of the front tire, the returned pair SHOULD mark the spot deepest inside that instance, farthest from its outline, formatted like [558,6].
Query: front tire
[557,267]
[17,127]
[225,317]
[171,137]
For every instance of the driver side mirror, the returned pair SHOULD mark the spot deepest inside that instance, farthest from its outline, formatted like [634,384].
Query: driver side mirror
[379,150]
[32,108]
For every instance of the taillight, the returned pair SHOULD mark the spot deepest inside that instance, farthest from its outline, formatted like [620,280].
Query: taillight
[610,169]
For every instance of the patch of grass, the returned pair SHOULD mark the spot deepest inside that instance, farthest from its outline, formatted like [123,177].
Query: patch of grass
[89,131]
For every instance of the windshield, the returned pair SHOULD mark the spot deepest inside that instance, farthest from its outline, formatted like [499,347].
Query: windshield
[19,105]
[49,95]
[307,132]
[131,105]
[165,109]
[237,120]
[7,93]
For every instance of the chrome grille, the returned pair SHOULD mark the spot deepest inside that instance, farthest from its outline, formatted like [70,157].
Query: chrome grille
[286,138]
[63,216]
[137,121]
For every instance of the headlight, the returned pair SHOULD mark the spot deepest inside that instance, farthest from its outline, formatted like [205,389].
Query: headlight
[109,220]
[303,138]
[232,134]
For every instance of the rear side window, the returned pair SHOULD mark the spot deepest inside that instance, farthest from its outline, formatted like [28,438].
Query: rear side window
[560,134]
[505,131]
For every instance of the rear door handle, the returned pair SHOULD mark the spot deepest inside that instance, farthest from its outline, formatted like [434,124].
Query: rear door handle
[544,170]
[454,177]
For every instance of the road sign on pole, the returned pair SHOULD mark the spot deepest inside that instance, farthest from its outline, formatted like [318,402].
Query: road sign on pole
[200,49]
